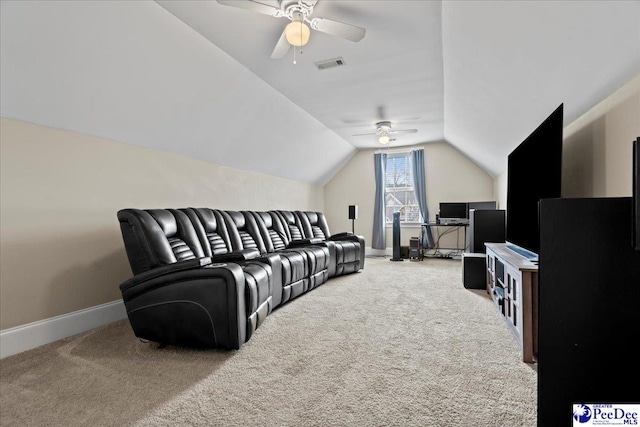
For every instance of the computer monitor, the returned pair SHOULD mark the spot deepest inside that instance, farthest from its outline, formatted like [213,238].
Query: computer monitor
[453,211]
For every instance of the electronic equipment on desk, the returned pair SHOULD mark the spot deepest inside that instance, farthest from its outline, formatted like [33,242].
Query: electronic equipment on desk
[453,221]
[457,210]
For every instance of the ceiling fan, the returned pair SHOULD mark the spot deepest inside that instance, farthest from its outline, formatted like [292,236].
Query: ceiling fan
[299,12]
[384,131]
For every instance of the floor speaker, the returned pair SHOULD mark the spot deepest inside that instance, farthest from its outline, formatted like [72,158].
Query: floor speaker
[474,271]
[485,226]
[397,256]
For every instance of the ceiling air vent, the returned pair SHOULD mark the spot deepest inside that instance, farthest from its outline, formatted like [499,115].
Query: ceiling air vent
[330,63]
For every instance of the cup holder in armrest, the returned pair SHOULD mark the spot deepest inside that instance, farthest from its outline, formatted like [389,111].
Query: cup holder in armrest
[216,265]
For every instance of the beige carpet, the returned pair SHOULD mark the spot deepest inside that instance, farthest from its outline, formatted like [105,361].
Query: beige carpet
[399,344]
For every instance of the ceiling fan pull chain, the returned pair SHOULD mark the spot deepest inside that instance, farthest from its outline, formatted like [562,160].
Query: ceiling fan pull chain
[294,55]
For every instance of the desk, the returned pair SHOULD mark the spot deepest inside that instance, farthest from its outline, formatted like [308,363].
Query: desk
[448,228]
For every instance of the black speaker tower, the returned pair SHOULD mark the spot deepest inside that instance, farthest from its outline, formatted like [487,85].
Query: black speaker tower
[396,237]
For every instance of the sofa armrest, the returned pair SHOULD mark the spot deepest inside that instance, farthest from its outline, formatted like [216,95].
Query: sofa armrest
[348,237]
[339,235]
[355,238]
[164,270]
[237,256]
[304,242]
[199,307]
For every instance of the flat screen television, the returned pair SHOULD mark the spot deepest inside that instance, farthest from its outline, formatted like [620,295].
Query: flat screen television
[453,210]
[534,173]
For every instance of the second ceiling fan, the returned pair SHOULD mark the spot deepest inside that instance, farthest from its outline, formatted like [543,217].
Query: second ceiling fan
[299,12]
[384,131]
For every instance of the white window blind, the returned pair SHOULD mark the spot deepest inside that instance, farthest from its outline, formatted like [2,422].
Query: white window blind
[399,194]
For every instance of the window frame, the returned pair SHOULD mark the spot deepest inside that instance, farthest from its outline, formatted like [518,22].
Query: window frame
[407,155]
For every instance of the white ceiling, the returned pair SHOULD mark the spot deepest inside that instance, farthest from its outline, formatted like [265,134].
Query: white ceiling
[196,78]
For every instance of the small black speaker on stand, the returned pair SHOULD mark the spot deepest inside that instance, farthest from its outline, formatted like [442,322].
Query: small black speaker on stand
[397,256]
[353,215]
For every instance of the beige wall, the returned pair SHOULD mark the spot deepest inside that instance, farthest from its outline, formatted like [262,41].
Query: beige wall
[61,248]
[500,189]
[597,147]
[450,176]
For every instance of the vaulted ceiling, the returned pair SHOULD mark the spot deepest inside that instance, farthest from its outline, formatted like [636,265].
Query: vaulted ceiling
[196,78]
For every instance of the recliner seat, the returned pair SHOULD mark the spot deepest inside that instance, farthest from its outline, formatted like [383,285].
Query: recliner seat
[162,308]
[349,248]
[221,240]
[309,263]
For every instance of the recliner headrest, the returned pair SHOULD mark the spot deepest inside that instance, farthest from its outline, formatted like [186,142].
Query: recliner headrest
[238,219]
[207,219]
[268,221]
[288,216]
[313,217]
[166,220]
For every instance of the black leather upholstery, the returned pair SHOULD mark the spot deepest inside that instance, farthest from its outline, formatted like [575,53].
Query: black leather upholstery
[151,238]
[304,266]
[222,240]
[349,248]
[172,236]
[219,233]
[292,224]
[209,278]
[195,307]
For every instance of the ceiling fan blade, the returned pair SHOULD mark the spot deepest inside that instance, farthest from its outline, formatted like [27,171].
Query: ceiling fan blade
[394,131]
[365,134]
[272,3]
[282,47]
[339,29]
[252,6]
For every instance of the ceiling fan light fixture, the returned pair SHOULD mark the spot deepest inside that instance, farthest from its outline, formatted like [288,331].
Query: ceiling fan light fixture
[383,139]
[297,33]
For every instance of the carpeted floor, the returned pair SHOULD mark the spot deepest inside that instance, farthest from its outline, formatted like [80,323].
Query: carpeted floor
[398,344]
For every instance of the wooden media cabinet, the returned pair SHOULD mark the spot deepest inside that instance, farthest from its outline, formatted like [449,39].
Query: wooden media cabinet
[512,282]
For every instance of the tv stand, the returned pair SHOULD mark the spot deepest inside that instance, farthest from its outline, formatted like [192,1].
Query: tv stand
[512,282]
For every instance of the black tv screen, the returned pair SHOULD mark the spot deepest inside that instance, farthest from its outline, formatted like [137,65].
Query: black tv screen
[534,173]
[453,210]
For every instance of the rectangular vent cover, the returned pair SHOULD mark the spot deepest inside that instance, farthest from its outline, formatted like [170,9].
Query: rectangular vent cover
[330,63]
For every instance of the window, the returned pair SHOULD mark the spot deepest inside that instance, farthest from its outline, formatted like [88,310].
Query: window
[399,194]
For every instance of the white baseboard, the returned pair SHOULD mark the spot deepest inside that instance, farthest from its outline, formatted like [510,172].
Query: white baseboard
[32,335]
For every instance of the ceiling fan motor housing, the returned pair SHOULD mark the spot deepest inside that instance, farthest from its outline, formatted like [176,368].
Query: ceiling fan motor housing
[383,127]
[299,13]
[297,10]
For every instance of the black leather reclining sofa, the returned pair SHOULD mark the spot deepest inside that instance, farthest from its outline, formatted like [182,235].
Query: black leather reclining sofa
[208,278]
